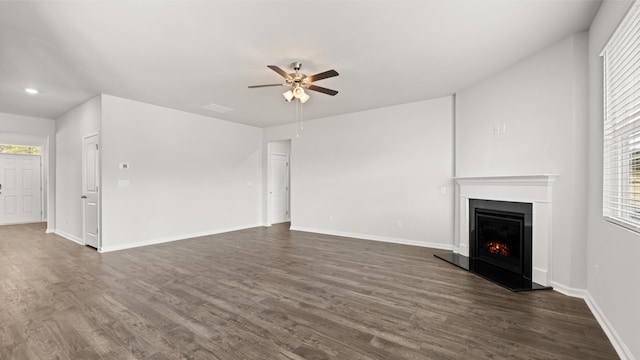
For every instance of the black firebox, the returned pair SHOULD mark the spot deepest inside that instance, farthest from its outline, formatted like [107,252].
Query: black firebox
[500,234]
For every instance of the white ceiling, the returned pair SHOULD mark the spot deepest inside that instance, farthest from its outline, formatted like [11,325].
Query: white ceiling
[185,55]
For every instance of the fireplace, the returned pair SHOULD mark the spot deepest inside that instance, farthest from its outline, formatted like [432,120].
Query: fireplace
[500,235]
[534,193]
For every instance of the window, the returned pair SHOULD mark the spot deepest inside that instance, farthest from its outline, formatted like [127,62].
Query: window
[621,170]
[19,149]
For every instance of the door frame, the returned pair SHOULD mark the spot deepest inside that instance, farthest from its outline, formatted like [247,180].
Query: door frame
[40,182]
[269,171]
[288,191]
[99,191]
[46,142]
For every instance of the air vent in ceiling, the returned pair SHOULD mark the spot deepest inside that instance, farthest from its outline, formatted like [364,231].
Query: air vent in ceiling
[217,108]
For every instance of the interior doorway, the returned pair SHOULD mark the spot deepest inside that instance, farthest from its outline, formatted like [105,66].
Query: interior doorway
[91,191]
[279,181]
[20,188]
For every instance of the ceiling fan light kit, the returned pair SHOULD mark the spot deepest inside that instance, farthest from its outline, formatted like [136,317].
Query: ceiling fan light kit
[288,95]
[298,91]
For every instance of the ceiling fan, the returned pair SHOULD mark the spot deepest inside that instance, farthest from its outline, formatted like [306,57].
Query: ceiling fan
[298,82]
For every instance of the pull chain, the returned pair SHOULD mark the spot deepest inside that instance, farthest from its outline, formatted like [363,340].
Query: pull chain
[297,118]
[299,126]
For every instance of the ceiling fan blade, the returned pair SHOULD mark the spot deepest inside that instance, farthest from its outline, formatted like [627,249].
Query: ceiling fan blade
[259,86]
[322,75]
[322,90]
[280,71]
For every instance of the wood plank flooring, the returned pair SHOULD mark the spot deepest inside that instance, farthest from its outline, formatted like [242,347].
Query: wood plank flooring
[271,293]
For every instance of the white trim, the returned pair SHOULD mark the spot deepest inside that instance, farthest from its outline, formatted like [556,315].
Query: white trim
[517,180]
[621,348]
[105,249]
[606,44]
[375,238]
[22,223]
[568,291]
[539,273]
[68,236]
[623,351]
[49,231]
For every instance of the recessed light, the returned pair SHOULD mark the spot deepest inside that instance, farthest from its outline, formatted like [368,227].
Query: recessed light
[31,91]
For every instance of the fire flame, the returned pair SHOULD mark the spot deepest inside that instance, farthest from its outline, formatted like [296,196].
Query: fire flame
[498,248]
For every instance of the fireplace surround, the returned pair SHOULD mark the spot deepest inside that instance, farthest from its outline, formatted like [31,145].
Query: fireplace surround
[535,190]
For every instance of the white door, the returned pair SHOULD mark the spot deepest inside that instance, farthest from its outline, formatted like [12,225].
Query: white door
[90,191]
[20,189]
[279,187]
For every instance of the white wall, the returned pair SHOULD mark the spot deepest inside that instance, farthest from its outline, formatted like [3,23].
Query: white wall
[541,102]
[26,130]
[70,129]
[612,257]
[189,174]
[375,174]
[280,147]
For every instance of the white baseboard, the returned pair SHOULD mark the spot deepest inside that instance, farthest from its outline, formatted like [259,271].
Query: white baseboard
[623,351]
[49,231]
[374,238]
[105,249]
[68,236]
[463,249]
[569,291]
[621,348]
[541,276]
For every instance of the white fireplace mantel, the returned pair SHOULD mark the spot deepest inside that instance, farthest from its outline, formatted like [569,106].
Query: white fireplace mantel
[534,189]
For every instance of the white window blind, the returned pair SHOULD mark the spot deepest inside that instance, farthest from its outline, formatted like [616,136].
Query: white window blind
[621,170]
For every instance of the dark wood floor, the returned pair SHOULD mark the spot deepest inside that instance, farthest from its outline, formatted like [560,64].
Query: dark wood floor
[268,293]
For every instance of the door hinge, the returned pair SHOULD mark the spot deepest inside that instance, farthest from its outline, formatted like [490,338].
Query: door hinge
[287,164]
[96,146]
[97,231]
